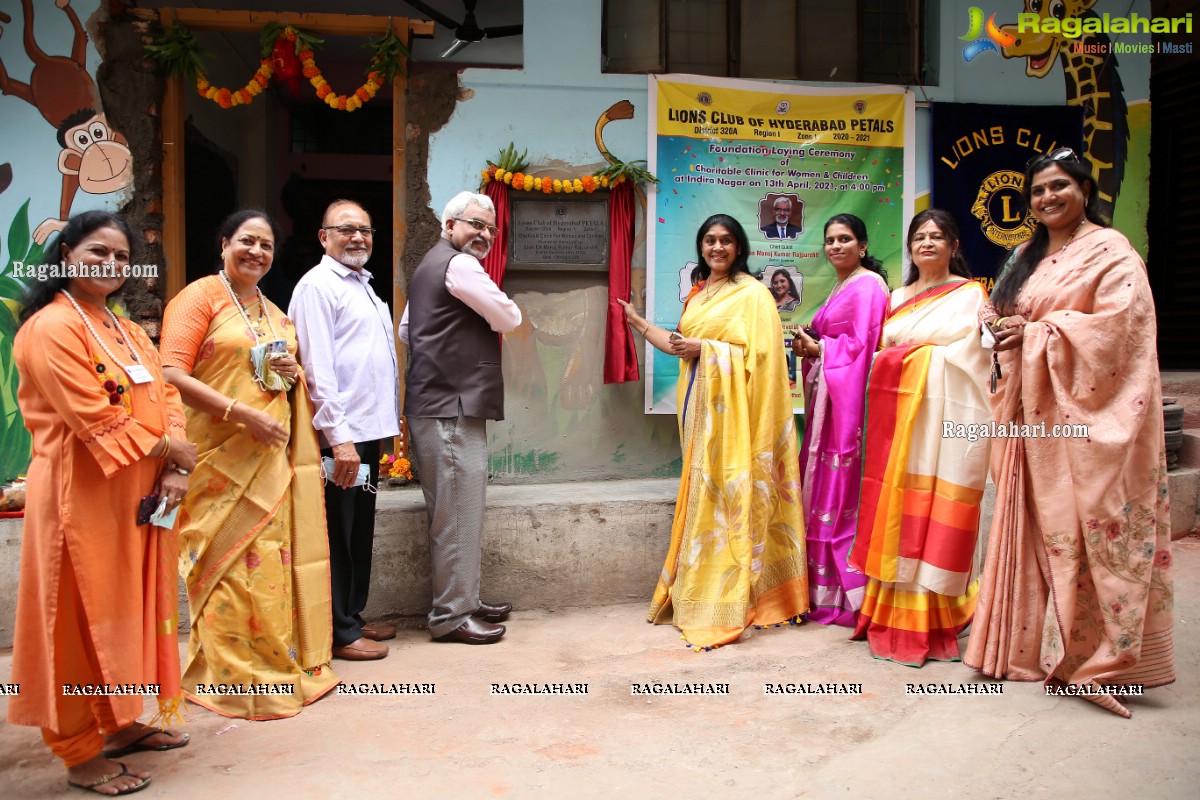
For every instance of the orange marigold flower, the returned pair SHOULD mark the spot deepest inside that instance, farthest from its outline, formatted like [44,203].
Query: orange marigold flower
[491,170]
[486,176]
[310,72]
[323,91]
[262,80]
[223,98]
[305,55]
[589,183]
[547,186]
[374,77]
[361,94]
[517,180]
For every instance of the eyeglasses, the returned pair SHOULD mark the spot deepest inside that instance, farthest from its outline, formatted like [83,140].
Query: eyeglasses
[479,225]
[1058,154]
[350,230]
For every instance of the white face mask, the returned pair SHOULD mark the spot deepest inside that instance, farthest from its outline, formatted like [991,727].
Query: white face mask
[364,474]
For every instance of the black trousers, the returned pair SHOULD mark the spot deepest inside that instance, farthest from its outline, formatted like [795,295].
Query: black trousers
[350,518]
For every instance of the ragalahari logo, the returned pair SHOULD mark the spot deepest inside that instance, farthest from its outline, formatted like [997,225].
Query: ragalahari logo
[983,37]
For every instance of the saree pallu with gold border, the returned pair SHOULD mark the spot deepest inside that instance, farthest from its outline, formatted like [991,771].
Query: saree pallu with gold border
[254,551]
[922,481]
[1077,582]
[737,542]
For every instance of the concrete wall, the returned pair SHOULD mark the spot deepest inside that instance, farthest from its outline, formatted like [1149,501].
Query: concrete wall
[550,107]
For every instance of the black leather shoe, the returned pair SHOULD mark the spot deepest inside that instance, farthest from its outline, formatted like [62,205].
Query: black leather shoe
[492,613]
[473,631]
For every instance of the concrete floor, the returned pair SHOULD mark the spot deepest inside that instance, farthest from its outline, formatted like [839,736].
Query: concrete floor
[464,742]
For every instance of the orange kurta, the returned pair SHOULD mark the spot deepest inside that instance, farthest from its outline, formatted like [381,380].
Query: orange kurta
[90,468]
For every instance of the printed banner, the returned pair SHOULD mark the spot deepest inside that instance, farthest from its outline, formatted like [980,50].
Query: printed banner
[780,159]
[979,153]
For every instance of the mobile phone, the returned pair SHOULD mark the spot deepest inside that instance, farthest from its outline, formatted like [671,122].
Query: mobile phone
[277,346]
[676,335]
[146,508]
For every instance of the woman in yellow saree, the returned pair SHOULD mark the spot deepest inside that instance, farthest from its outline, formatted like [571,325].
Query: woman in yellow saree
[253,549]
[737,543]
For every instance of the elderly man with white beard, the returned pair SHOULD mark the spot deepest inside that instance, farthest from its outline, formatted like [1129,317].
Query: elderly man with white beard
[454,315]
[349,356]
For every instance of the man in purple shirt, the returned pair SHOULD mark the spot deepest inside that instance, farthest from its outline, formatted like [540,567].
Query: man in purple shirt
[349,356]
[452,324]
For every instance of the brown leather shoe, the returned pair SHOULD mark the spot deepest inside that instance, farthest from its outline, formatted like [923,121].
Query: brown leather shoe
[473,631]
[489,612]
[361,650]
[379,632]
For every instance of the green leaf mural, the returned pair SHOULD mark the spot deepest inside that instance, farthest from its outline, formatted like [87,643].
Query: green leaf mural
[15,442]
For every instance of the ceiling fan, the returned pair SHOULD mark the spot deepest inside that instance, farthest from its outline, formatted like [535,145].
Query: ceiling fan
[468,31]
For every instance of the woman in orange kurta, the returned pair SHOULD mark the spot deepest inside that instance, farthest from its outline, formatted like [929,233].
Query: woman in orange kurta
[96,605]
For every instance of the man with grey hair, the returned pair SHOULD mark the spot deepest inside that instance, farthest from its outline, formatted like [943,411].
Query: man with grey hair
[454,314]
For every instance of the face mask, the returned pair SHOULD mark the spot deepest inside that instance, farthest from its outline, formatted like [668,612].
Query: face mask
[364,473]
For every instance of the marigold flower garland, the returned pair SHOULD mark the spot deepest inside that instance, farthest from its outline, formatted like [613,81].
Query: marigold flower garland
[240,97]
[179,53]
[509,169]
[528,183]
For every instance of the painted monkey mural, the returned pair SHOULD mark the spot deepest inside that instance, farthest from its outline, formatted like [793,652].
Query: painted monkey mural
[94,158]
[1093,82]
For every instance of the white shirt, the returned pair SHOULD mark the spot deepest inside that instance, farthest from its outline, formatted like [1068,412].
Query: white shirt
[349,355]
[466,280]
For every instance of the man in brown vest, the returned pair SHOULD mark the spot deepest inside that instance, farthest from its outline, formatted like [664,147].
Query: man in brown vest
[454,315]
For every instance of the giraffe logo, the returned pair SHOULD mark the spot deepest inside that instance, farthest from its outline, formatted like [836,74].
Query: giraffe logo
[1093,81]
[995,39]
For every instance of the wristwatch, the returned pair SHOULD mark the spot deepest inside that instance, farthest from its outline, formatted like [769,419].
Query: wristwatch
[179,469]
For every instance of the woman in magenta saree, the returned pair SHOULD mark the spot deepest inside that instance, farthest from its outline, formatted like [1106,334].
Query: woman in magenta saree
[837,361]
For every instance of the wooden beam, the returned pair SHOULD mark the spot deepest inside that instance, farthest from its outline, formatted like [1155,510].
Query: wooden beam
[174,229]
[399,223]
[320,24]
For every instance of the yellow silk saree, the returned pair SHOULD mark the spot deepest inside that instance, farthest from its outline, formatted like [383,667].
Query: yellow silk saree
[737,542]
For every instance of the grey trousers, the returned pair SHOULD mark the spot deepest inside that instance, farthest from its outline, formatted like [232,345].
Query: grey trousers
[451,455]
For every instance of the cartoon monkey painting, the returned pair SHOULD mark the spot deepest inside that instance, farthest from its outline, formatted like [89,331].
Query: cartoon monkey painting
[94,157]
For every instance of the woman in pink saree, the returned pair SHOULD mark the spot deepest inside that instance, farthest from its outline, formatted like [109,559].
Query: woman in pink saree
[837,361]
[1077,588]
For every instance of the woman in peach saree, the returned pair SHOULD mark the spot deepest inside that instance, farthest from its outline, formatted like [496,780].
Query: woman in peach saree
[1077,588]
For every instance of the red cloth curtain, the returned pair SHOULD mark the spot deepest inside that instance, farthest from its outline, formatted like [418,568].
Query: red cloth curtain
[620,354]
[496,262]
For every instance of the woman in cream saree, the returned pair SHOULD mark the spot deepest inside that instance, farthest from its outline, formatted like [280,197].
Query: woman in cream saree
[924,464]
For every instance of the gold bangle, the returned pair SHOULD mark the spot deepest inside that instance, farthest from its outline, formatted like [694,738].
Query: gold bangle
[229,408]
[166,453]
[646,328]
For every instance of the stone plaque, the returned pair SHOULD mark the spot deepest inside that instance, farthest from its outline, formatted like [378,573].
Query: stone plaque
[559,232]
